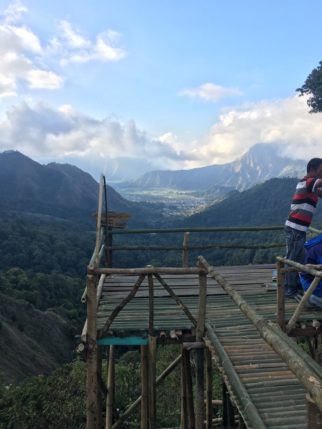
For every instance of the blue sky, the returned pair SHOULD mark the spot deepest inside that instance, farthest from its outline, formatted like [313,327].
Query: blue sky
[127,86]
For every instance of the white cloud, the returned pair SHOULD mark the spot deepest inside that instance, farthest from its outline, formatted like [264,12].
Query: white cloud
[27,64]
[285,121]
[210,92]
[58,134]
[72,47]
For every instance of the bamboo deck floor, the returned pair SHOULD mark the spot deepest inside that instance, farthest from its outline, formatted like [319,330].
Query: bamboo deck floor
[272,387]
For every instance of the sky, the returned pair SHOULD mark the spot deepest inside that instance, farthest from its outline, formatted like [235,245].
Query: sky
[122,87]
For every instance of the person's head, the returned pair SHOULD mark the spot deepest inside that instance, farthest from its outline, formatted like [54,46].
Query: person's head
[314,167]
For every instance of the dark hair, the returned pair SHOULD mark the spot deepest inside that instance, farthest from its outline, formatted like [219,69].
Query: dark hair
[313,164]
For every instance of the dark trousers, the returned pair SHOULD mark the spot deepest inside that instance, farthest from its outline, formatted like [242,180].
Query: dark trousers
[295,252]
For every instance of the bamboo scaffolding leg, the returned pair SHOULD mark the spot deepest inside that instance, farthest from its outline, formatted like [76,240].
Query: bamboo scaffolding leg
[99,389]
[92,406]
[144,388]
[189,389]
[152,375]
[200,384]
[228,419]
[209,406]
[280,295]
[184,415]
[110,389]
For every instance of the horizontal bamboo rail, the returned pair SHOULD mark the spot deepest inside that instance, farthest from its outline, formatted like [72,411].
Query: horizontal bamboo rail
[301,267]
[148,270]
[198,229]
[210,246]
[278,340]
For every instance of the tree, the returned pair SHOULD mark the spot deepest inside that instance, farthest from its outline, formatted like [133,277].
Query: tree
[313,88]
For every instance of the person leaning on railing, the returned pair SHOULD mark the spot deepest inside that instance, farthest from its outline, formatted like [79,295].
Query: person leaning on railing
[303,206]
[313,255]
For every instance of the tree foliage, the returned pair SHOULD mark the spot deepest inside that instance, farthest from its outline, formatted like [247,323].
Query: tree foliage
[313,88]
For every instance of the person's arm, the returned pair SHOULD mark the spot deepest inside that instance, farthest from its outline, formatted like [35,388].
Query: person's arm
[317,188]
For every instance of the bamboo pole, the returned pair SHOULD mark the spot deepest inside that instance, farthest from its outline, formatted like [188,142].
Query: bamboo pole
[189,389]
[301,267]
[110,389]
[147,270]
[185,251]
[99,221]
[228,418]
[204,246]
[184,415]
[280,295]
[144,388]
[302,304]
[201,306]
[302,368]
[200,384]
[100,387]
[177,299]
[92,405]
[119,307]
[209,402]
[152,348]
[151,303]
[198,229]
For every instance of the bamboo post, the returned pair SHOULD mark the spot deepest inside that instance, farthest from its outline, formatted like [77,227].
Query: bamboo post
[280,295]
[302,304]
[228,418]
[92,404]
[189,389]
[100,387]
[99,221]
[199,353]
[152,347]
[110,389]
[209,406]
[151,303]
[184,415]
[314,414]
[185,249]
[144,388]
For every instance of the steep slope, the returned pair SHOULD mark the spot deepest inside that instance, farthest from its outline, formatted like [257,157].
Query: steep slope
[32,342]
[59,190]
[264,204]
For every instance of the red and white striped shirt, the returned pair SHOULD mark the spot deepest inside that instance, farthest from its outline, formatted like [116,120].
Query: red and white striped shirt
[304,203]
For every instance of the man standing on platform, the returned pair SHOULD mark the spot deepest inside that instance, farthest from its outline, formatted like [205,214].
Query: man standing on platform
[303,206]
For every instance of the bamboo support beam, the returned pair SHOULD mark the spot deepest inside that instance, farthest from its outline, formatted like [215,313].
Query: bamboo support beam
[304,369]
[152,350]
[98,222]
[185,249]
[110,389]
[144,393]
[92,403]
[292,322]
[189,388]
[209,402]
[147,270]
[122,304]
[177,299]
[301,267]
[199,229]
[151,303]
[280,295]
[204,246]
[184,414]
[200,386]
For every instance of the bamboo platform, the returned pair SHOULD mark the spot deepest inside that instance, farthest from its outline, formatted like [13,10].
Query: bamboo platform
[271,386]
